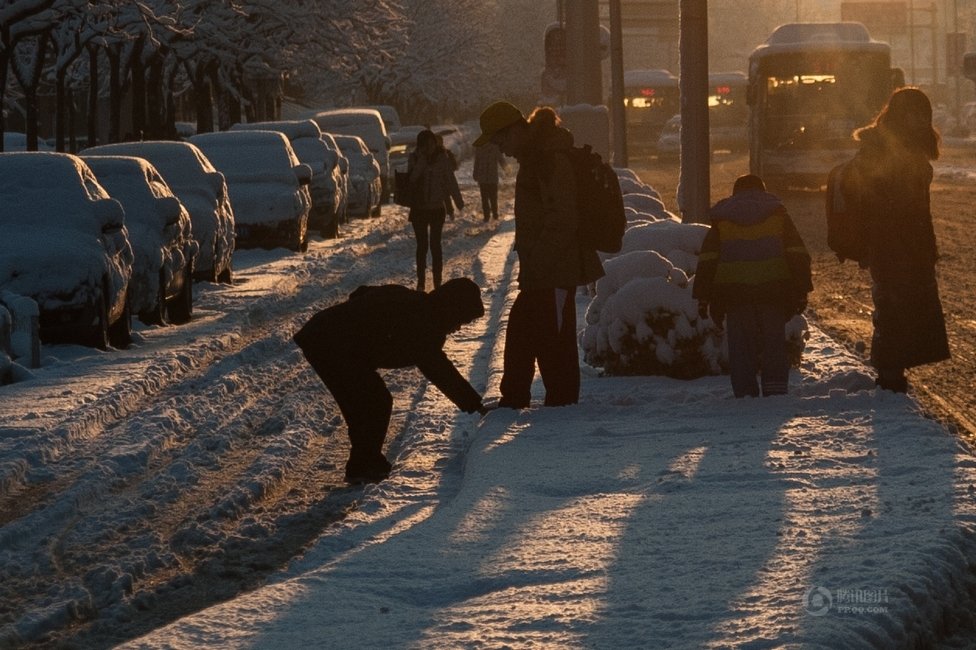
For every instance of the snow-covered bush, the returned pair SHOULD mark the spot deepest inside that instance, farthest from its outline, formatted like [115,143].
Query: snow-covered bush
[643,319]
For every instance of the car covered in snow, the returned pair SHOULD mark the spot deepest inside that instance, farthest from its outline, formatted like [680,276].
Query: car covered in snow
[328,186]
[268,186]
[161,235]
[368,124]
[200,188]
[365,184]
[64,244]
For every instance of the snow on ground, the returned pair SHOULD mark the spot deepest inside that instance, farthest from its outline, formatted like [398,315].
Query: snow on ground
[656,513]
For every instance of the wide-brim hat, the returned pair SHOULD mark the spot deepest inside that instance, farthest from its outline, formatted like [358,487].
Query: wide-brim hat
[495,118]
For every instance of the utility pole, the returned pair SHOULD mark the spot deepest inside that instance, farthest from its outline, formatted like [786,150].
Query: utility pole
[584,76]
[618,116]
[694,180]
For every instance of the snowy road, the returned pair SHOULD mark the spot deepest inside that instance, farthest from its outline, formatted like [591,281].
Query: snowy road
[139,485]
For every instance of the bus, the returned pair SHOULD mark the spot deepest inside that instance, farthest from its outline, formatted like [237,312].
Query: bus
[810,86]
[650,99]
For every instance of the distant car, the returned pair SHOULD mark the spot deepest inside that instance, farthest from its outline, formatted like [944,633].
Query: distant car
[721,138]
[401,144]
[365,188]
[161,235]
[16,141]
[63,243]
[669,141]
[327,187]
[391,118]
[268,186]
[200,188]
[367,123]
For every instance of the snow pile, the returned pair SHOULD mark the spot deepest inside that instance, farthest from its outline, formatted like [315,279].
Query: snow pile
[643,319]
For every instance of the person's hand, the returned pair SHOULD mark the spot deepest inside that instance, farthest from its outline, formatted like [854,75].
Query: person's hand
[801,305]
[484,410]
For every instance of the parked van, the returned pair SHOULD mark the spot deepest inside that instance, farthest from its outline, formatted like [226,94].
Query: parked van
[368,125]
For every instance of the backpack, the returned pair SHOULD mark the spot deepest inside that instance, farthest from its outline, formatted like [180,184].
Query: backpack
[598,200]
[845,227]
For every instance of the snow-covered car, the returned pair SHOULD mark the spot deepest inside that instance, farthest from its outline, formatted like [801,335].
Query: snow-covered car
[401,144]
[367,123]
[268,186]
[327,187]
[200,188]
[64,244]
[365,186]
[669,142]
[390,115]
[342,163]
[161,235]
[16,141]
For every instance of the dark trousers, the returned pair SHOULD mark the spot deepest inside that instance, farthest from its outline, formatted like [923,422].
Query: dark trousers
[489,200]
[366,405]
[757,344]
[427,226]
[534,335]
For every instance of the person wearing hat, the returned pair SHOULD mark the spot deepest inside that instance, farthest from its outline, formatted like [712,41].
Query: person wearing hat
[552,263]
[387,326]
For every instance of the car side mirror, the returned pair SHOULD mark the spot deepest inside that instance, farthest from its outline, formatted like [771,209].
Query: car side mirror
[303,172]
[110,215]
[218,182]
[171,209]
[389,143]
[344,165]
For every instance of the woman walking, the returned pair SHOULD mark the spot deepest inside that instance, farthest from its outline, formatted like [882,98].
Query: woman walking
[432,181]
[892,173]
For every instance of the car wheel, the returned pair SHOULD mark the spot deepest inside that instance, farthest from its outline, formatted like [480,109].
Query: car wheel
[180,309]
[120,332]
[98,337]
[157,315]
[331,229]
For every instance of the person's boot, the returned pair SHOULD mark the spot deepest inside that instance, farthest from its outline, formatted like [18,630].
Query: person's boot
[437,278]
[895,381]
[422,280]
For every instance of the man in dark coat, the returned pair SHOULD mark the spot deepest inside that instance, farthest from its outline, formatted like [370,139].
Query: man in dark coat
[388,326]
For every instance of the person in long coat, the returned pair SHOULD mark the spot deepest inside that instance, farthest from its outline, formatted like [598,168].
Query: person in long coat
[892,174]
[552,260]
[388,326]
[434,185]
[487,160]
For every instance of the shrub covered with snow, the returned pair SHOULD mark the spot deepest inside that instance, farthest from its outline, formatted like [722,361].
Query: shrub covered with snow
[643,319]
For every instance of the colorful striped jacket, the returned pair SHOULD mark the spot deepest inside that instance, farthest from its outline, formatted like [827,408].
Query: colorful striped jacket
[752,254]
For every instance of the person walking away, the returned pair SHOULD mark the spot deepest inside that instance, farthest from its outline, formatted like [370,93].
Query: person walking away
[388,326]
[552,262]
[753,272]
[433,182]
[448,200]
[487,160]
[891,174]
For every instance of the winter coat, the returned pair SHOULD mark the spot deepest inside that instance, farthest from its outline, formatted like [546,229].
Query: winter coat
[546,219]
[433,181]
[388,326]
[892,187]
[487,159]
[752,254]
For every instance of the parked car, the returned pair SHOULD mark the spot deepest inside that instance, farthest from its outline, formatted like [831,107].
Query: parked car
[203,192]
[64,244]
[268,186]
[327,188]
[391,118]
[16,141]
[401,144]
[365,188]
[343,164]
[161,236]
[368,125]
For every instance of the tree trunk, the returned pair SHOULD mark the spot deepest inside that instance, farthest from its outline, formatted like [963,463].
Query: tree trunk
[93,81]
[115,96]
[137,73]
